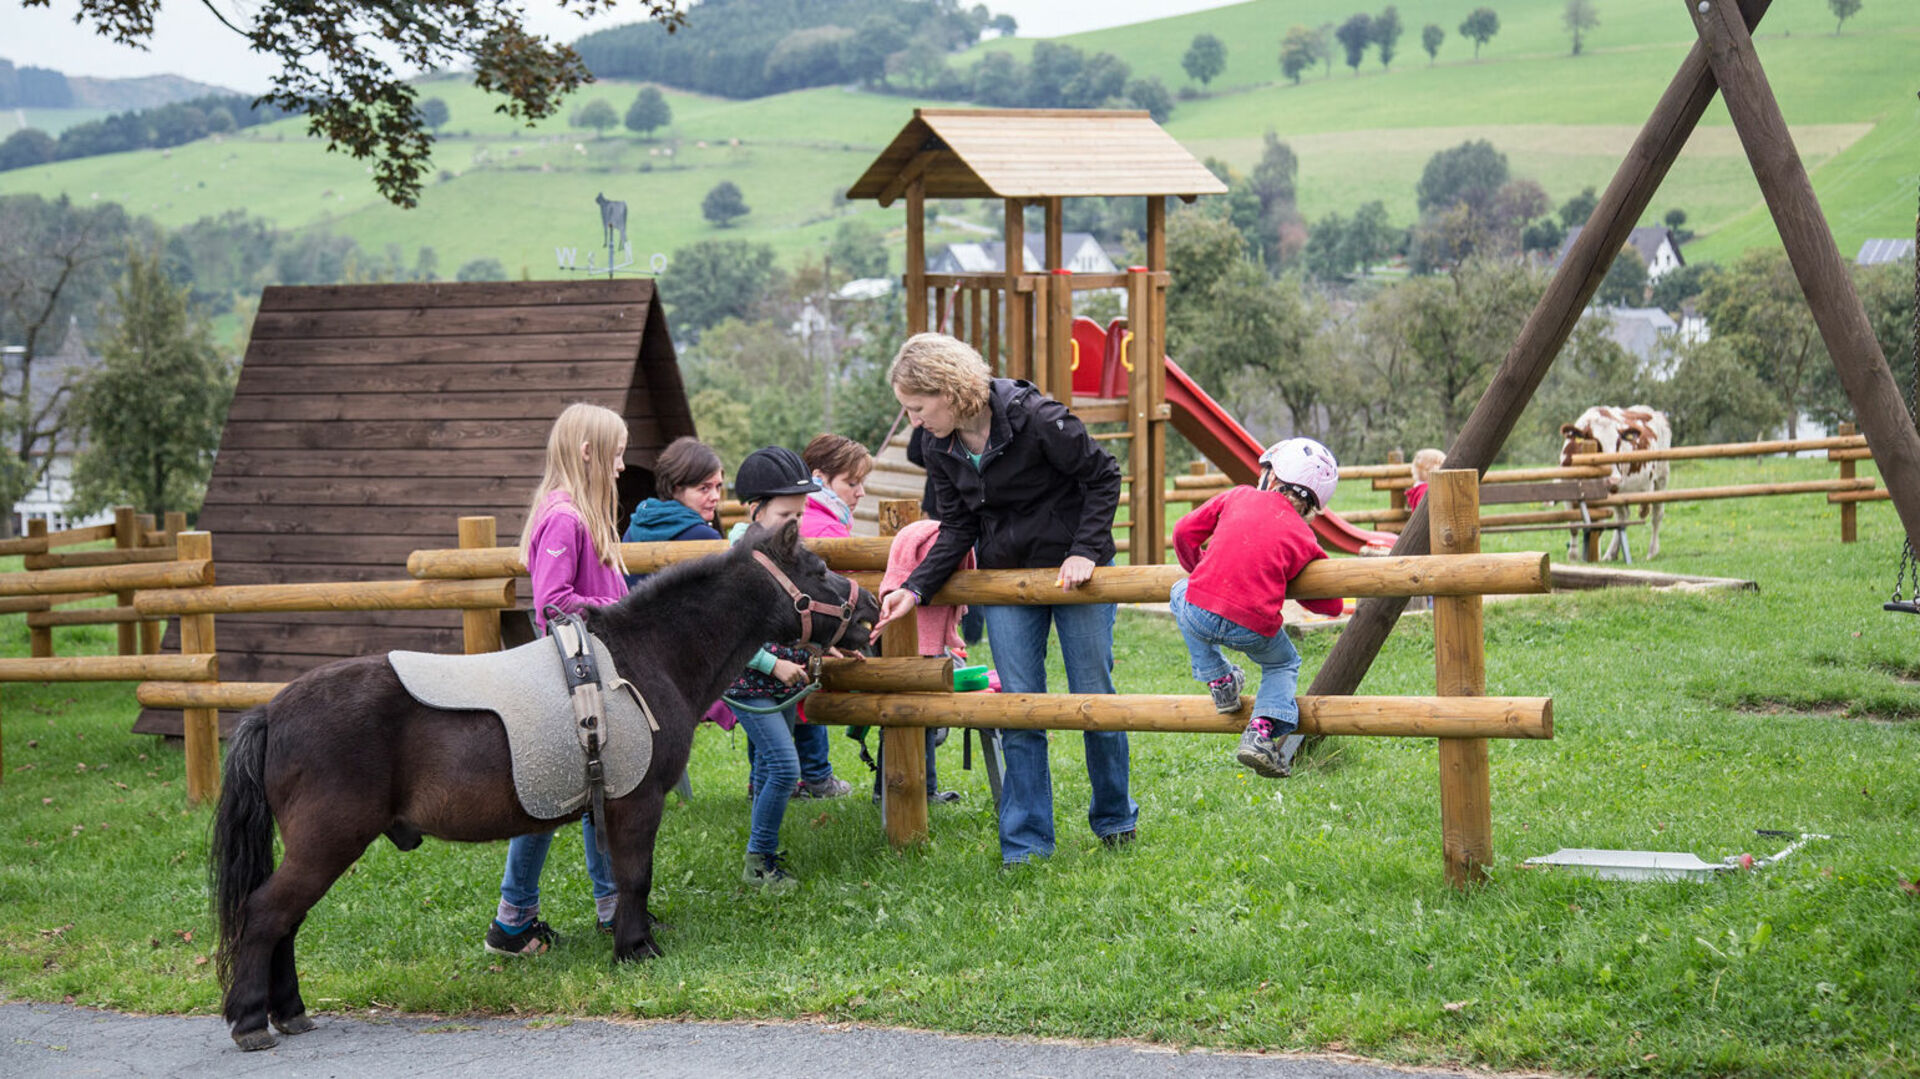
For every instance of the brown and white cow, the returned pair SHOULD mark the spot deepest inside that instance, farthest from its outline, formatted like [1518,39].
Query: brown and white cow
[1620,430]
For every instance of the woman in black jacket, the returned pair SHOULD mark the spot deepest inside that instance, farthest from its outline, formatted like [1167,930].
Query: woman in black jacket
[1013,475]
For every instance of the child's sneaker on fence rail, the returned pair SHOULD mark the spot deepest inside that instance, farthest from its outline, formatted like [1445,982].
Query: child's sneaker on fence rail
[1226,691]
[830,787]
[534,938]
[768,872]
[1258,753]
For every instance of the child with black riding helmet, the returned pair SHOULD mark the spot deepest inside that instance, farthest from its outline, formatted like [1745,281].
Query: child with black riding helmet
[1240,549]
[774,483]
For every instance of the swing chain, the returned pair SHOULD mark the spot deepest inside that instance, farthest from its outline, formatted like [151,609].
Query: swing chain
[1910,565]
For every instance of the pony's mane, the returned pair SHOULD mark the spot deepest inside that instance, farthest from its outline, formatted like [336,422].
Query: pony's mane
[650,588]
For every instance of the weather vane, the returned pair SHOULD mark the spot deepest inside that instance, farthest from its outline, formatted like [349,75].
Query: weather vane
[613,219]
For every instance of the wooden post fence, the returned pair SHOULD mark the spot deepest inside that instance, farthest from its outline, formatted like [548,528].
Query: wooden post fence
[1460,670]
[479,629]
[903,750]
[200,727]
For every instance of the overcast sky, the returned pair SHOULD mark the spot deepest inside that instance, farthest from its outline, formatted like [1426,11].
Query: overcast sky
[189,41]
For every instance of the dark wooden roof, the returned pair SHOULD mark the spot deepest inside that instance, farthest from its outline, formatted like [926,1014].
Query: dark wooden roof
[1034,153]
[368,418]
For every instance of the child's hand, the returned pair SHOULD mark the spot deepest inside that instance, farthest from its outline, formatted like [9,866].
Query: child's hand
[789,672]
[838,654]
[1074,572]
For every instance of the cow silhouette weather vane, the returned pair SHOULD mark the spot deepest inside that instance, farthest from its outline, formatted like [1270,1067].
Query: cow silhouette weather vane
[613,220]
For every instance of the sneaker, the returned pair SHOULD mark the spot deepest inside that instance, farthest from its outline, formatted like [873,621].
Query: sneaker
[1226,691]
[534,938]
[830,787]
[768,872]
[606,926]
[1119,839]
[943,797]
[1257,752]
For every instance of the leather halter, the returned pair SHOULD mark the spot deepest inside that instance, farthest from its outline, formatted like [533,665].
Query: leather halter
[804,604]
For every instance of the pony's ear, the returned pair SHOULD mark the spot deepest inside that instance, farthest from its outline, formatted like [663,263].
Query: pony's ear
[786,543]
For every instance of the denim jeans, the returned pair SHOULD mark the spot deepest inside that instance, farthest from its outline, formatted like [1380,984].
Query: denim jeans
[1018,636]
[775,767]
[810,742]
[1206,633]
[520,884]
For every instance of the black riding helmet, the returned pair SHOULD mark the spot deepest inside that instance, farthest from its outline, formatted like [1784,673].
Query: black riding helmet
[772,471]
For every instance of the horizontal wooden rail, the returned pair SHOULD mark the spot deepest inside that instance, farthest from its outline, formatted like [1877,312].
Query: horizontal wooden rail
[17,604]
[1411,575]
[232,696]
[1487,520]
[477,595]
[905,674]
[1727,449]
[1879,495]
[1403,717]
[188,668]
[40,544]
[120,556]
[1745,490]
[455,563]
[1512,475]
[1374,472]
[84,616]
[1850,455]
[52,582]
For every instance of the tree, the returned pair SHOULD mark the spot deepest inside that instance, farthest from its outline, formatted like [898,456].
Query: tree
[1006,25]
[723,204]
[1579,17]
[648,112]
[357,99]
[1328,255]
[1430,39]
[1480,25]
[1274,174]
[1355,35]
[26,148]
[1299,50]
[1715,396]
[1684,283]
[1456,328]
[1757,308]
[1676,222]
[998,80]
[434,113]
[1152,95]
[152,412]
[864,55]
[1842,10]
[1370,237]
[1577,209]
[714,280]
[481,269]
[1468,174]
[57,265]
[857,250]
[596,114]
[1625,284]
[1205,58]
[1386,33]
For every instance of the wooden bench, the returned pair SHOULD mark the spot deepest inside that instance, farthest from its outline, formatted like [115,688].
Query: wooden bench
[1581,494]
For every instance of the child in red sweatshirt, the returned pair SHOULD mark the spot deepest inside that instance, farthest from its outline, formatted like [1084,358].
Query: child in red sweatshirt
[1239,550]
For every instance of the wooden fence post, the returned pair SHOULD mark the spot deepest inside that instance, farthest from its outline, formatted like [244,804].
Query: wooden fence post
[1460,670]
[1849,511]
[479,629]
[126,529]
[150,632]
[1589,538]
[39,638]
[1397,497]
[173,524]
[903,750]
[199,726]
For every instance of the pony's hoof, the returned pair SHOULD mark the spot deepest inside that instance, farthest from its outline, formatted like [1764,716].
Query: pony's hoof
[293,1024]
[641,952]
[255,1039]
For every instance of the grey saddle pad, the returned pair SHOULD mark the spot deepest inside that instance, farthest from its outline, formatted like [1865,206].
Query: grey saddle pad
[526,688]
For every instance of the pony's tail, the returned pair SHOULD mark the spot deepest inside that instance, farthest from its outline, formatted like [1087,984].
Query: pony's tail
[242,855]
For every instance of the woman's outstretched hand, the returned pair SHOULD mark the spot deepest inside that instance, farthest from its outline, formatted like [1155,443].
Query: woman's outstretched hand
[1074,572]
[894,605]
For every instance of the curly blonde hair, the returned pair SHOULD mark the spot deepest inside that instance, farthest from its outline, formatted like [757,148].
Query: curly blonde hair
[936,365]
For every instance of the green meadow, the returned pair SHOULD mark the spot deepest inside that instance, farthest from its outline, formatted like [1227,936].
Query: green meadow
[1308,915]
[506,191]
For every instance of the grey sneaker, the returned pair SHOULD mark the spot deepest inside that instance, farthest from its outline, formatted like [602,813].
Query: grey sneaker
[830,787]
[768,872]
[1257,752]
[1226,691]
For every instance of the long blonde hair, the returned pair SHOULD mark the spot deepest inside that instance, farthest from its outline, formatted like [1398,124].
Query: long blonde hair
[589,483]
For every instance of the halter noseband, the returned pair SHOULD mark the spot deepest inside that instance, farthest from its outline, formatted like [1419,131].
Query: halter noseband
[804,604]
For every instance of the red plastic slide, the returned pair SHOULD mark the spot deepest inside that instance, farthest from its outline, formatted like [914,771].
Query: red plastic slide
[1227,444]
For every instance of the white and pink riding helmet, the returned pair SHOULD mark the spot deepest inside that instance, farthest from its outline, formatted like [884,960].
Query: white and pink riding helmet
[1306,464]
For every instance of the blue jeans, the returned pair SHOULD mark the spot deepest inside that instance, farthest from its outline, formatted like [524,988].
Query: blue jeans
[775,767]
[1019,639]
[1206,633]
[810,742]
[520,884]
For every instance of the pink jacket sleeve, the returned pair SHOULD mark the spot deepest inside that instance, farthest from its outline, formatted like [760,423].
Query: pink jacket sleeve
[560,544]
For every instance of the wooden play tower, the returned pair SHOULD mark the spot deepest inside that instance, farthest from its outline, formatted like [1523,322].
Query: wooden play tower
[1021,318]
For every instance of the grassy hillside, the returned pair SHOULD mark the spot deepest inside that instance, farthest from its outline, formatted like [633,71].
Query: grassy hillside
[51,121]
[512,193]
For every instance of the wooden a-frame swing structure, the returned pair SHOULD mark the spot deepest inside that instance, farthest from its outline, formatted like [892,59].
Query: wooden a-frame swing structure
[1723,59]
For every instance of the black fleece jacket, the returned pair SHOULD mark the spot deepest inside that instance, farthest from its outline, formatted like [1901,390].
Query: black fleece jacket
[1044,491]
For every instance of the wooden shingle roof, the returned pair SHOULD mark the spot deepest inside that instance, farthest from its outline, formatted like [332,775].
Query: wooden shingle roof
[1034,153]
[369,418]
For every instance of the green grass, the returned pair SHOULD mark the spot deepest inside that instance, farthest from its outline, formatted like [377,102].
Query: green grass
[51,121]
[514,194]
[1306,915]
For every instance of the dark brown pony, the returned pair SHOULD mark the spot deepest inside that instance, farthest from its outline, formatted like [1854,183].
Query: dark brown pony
[343,755]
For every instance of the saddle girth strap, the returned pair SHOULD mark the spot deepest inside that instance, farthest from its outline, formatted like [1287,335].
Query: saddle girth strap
[583,691]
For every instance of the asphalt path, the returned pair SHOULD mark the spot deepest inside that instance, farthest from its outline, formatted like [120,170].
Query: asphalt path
[59,1040]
